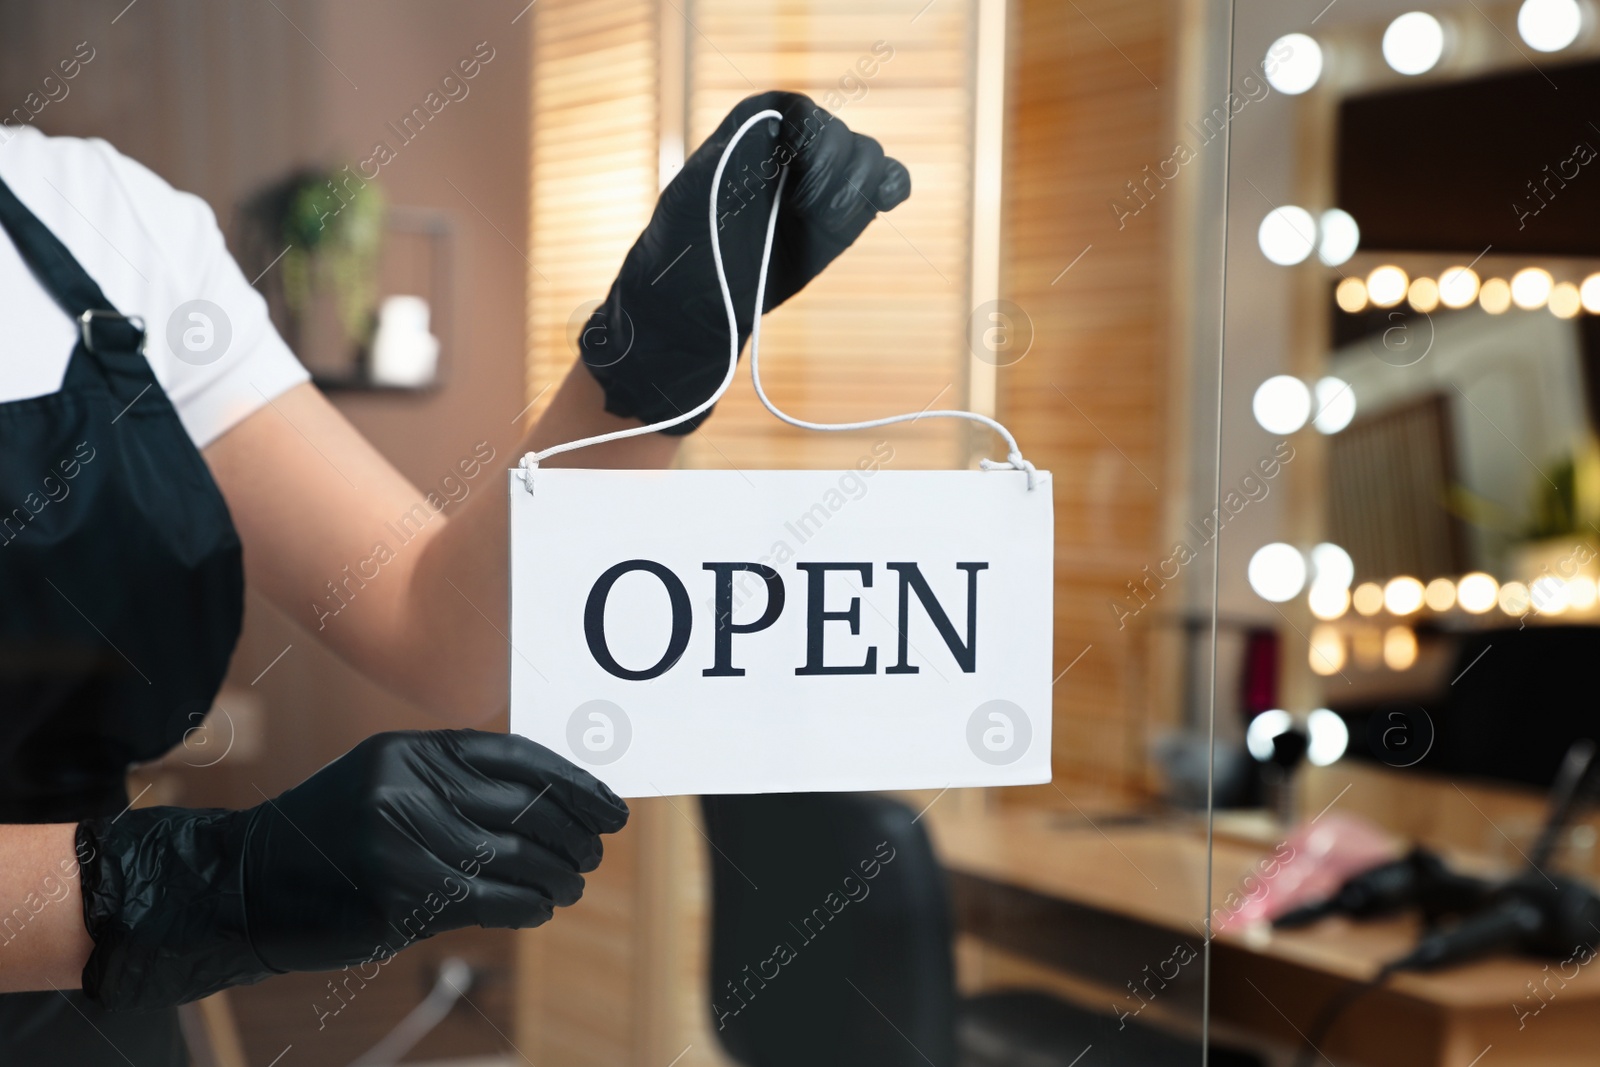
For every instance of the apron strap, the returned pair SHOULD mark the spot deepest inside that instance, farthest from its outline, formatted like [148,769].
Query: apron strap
[64,278]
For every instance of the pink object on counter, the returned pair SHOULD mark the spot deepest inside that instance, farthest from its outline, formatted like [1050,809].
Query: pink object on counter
[1314,860]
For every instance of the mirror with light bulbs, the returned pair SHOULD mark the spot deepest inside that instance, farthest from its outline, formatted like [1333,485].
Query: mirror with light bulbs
[1419,206]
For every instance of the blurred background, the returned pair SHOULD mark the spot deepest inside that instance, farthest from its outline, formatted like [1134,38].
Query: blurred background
[1385,435]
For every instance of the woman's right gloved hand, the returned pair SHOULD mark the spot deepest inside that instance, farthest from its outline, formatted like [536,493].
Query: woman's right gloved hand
[407,835]
[658,344]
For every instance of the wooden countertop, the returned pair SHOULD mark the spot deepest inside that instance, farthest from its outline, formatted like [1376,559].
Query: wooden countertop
[1155,873]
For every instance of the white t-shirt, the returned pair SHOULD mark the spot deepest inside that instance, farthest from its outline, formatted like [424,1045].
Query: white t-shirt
[153,250]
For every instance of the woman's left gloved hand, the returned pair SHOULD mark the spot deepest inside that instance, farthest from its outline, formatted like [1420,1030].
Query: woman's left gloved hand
[409,834]
[658,345]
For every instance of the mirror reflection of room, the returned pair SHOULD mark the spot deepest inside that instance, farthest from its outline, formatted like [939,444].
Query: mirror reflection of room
[1417,245]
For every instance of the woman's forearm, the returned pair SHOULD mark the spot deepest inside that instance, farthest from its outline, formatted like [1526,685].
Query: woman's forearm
[343,543]
[457,598]
[43,943]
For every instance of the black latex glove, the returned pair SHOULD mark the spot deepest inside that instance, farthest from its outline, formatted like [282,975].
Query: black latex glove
[406,835]
[658,345]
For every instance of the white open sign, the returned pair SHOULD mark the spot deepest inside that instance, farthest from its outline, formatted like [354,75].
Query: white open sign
[784,631]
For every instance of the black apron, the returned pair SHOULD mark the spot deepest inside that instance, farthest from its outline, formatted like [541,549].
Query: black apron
[121,598]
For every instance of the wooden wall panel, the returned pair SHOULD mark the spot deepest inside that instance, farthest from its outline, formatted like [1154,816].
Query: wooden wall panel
[592,163]
[1090,106]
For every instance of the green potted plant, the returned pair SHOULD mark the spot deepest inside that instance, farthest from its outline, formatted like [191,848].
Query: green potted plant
[314,239]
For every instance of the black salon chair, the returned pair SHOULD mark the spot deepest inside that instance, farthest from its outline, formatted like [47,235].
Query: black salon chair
[831,947]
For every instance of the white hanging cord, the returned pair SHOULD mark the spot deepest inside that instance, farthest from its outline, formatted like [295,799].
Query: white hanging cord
[533,459]
[1013,460]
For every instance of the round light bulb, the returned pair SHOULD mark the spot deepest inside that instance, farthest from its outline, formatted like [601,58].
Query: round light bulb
[1423,295]
[1514,598]
[1402,595]
[1440,594]
[1581,592]
[1550,25]
[1565,303]
[1548,595]
[1494,296]
[1413,43]
[1330,736]
[1277,572]
[1332,565]
[1326,653]
[1589,293]
[1287,235]
[1458,287]
[1399,648]
[1386,286]
[1477,592]
[1338,237]
[1282,404]
[1336,404]
[1296,62]
[1351,295]
[1368,598]
[1328,601]
[1530,288]
[1262,729]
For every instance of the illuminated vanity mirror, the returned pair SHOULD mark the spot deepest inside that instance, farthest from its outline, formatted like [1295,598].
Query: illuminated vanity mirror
[1465,338]
[1458,399]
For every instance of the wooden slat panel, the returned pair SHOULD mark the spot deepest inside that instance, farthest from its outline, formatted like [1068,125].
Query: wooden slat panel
[593,158]
[1090,400]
